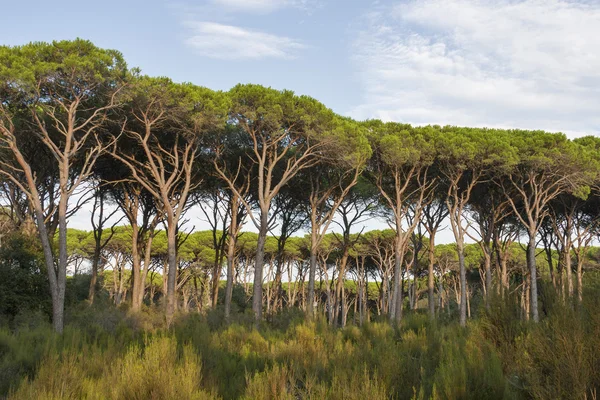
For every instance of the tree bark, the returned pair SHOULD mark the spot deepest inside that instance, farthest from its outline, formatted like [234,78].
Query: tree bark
[431,278]
[258,266]
[311,272]
[231,243]
[398,295]
[172,265]
[463,285]
[533,297]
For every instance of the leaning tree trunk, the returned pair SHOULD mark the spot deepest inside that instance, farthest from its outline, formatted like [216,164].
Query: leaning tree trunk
[57,306]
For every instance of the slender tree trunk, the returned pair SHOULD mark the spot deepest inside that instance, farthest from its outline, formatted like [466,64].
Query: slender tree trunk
[468,303]
[550,261]
[579,260]
[312,271]
[139,296]
[366,295]
[62,260]
[172,265]
[431,278]
[568,268]
[230,261]
[137,284]
[463,284]
[217,270]
[504,274]
[487,258]
[533,298]
[94,278]
[397,296]
[344,307]
[57,306]
[185,295]
[216,280]
[258,266]
[340,286]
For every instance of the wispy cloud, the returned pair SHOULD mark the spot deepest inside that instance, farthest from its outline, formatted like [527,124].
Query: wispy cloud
[510,63]
[231,42]
[263,6]
[252,5]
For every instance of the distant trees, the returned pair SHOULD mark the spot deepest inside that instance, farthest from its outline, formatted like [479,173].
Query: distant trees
[74,119]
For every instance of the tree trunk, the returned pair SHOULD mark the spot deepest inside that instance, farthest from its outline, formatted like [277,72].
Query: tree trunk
[311,272]
[62,263]
[94,278]
[137,284]
[533,297]
[579,261]
[230,269]
[431,278]
[463,285]
[258,266]
[340,286]
[57,305]
[397,296]
[568,268]
[172,265]
[504,274]
[487,253]
[139,297]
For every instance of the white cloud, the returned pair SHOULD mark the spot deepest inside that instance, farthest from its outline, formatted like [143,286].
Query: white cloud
[531,64]
[231,42]
[260,6]
[252,5]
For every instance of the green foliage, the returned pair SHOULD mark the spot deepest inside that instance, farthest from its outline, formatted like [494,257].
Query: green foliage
[23,280]
[559,358]
[156,369]
[493,358]
[49,63]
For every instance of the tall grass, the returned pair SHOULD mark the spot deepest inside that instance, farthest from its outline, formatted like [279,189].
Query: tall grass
[121,357]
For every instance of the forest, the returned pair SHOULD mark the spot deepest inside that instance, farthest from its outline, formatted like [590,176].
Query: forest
[285,292]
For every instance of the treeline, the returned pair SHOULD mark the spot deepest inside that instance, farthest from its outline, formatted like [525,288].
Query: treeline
[77,123]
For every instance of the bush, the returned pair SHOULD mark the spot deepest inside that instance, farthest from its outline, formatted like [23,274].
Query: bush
[134,356]
[158,369]
[24,286]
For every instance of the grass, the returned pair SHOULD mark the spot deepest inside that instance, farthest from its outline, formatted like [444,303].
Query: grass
[133,357]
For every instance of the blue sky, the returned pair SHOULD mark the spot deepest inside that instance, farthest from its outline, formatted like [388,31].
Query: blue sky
[532,64]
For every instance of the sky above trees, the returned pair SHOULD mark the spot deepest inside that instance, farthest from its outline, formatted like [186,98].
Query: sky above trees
[514,64]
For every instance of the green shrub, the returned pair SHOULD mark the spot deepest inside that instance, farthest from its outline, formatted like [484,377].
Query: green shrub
[158,369]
